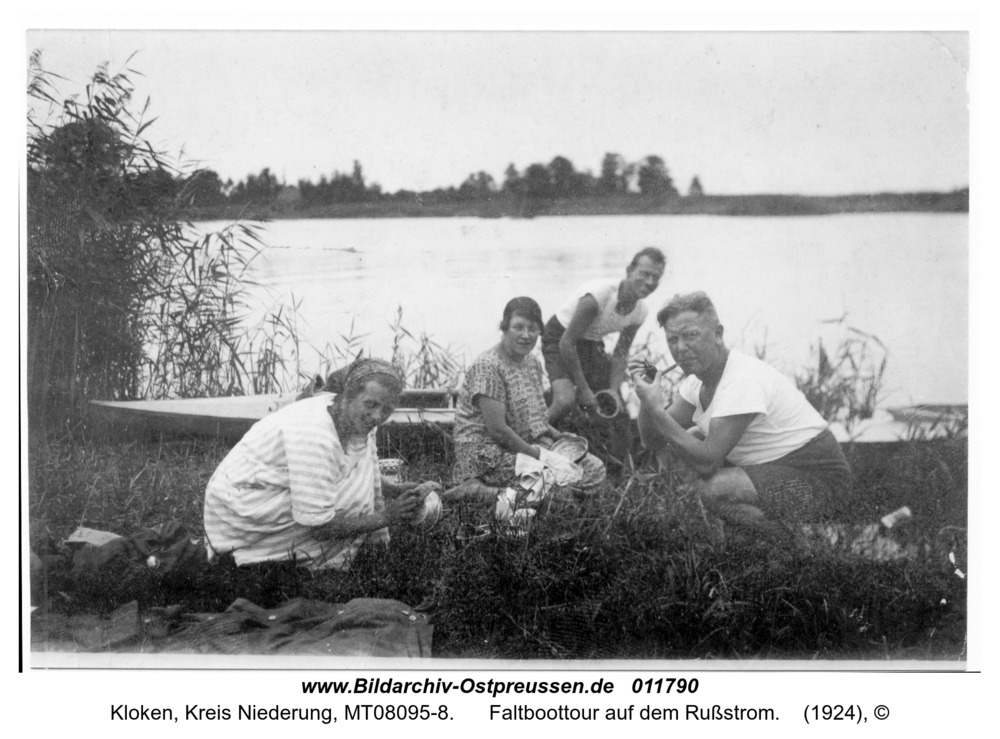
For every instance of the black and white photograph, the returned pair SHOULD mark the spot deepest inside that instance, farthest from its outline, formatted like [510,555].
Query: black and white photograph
[551,349]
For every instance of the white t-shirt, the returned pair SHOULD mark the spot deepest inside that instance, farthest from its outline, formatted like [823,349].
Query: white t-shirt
[784,422]
[608,321]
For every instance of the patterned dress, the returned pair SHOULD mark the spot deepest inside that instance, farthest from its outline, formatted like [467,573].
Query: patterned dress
[518,385]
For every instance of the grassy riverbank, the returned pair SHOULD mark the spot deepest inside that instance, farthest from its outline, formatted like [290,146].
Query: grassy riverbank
[641,572]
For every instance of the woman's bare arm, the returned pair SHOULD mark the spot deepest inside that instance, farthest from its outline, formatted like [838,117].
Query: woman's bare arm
[399,510]
[495,417]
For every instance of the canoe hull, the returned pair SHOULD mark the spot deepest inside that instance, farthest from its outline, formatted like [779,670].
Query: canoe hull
[228,418]
[231,417]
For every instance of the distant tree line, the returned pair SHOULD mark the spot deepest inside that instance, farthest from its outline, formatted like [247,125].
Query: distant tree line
[556,188]
[558,179]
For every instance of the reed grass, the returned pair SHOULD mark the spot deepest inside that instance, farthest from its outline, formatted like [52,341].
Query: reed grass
[125,298]
[848,385]
[423,362]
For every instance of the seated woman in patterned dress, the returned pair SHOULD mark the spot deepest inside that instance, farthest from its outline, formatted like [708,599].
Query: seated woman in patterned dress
[502,435]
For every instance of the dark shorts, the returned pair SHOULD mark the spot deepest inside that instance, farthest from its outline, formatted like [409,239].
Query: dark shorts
[594,361]
[806,485]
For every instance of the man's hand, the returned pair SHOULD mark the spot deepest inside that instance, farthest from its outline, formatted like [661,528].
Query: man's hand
[585,398]
[647,390]
[640,367]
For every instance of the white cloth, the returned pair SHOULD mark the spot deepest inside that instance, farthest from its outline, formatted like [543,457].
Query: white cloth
[784,419]
[551,468]
[286,476]
[608,321]
[510,512]
[538,477]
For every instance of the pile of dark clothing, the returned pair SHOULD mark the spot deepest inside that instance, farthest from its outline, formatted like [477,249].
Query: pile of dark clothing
[116,590]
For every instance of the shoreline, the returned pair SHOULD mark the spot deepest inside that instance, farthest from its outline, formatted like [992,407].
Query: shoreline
[503,206]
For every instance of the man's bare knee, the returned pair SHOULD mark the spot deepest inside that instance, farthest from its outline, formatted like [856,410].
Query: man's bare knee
[727,485]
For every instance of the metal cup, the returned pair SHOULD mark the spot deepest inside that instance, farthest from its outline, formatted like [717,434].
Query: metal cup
[608,404]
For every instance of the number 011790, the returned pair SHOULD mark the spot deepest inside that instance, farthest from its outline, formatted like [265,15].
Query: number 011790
[665,685]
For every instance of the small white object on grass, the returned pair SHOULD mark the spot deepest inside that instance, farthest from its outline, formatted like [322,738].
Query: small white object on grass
[83,535]
[510,513]
[896,517]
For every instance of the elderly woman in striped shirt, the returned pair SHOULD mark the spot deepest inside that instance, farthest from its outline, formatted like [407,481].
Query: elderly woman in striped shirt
[304,482]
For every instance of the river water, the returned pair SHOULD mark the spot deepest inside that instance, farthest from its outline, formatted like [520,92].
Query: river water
[779,284]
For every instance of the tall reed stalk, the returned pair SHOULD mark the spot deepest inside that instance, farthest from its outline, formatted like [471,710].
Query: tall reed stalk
[848,385]
[123,300]
[428,364]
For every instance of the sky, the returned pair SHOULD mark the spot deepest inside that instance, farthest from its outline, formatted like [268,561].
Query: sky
[747,112]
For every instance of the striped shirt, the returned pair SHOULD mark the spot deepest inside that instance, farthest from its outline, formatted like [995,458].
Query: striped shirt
[288,474]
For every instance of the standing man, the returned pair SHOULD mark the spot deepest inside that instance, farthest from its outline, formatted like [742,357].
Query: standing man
[573,340]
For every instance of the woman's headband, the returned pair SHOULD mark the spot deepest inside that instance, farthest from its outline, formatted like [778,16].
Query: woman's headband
[360,369]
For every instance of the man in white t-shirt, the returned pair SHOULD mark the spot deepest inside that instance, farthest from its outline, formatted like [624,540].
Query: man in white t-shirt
[573,339]
[763,454]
